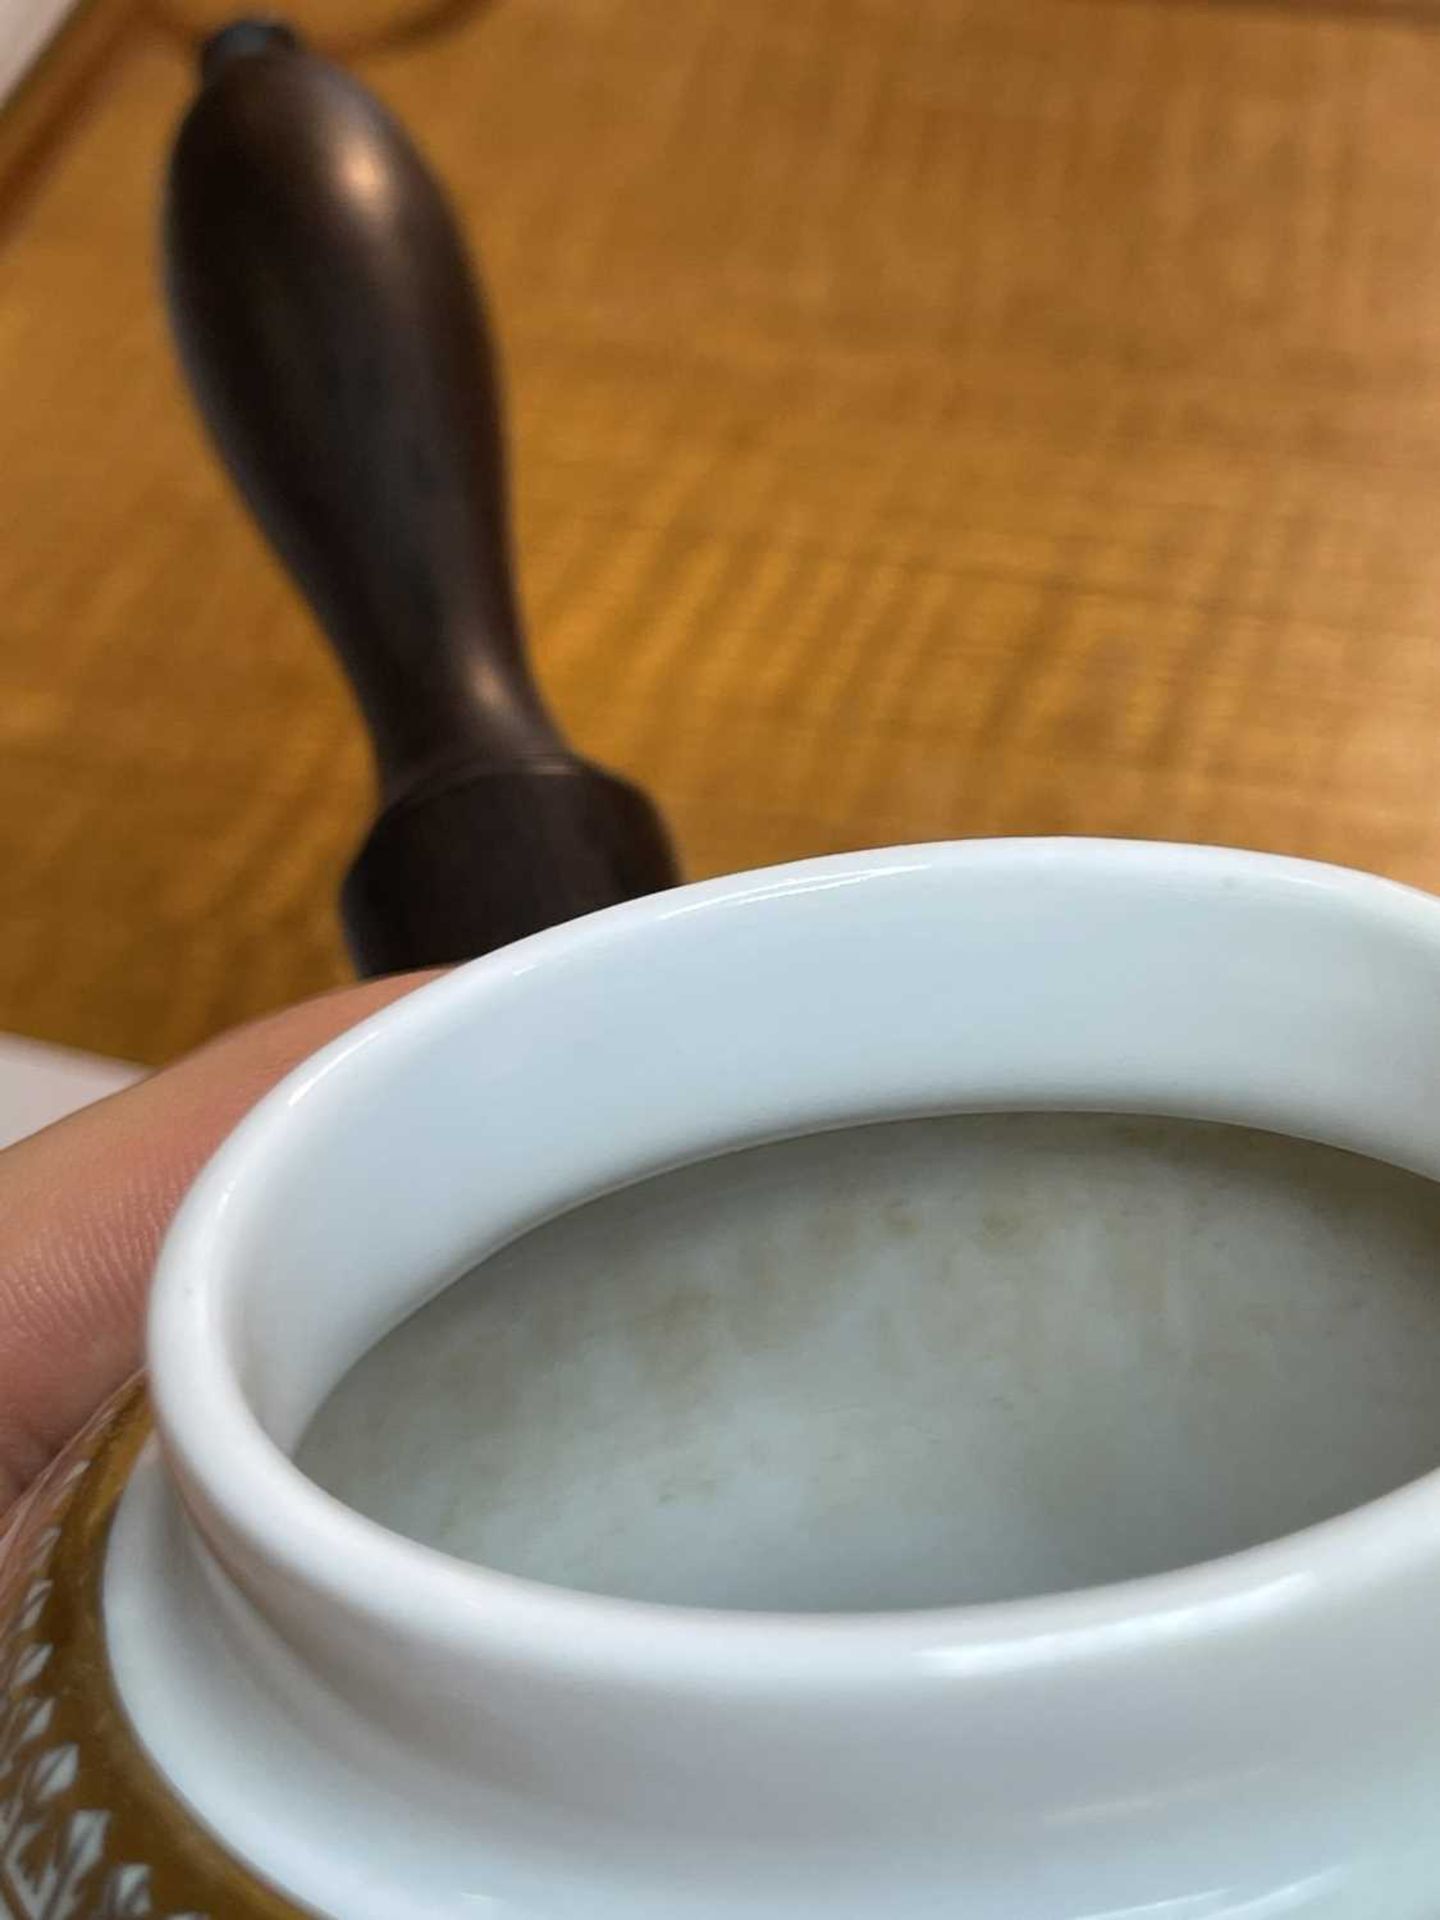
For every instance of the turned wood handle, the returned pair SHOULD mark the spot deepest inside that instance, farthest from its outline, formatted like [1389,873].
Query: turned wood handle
[330,324]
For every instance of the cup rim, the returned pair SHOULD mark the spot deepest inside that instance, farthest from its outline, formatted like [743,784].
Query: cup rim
[257,1509]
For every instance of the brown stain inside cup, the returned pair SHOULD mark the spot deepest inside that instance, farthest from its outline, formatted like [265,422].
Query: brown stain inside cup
[915,1364]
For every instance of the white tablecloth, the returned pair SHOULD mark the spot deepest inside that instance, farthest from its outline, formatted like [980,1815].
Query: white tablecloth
[39,1084]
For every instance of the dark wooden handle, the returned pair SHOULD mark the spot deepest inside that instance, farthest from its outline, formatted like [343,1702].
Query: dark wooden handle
[331,327]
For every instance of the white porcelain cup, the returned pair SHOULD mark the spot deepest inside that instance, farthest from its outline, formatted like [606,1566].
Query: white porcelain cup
[384,1730]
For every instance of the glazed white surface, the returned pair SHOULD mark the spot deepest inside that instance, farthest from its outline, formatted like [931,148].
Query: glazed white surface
[387,1731]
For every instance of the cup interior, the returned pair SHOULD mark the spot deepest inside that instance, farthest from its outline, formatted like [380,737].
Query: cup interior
[889,1232]
[921,1364]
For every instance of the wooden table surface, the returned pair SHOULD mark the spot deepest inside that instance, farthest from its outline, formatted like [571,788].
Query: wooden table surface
[931,417]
